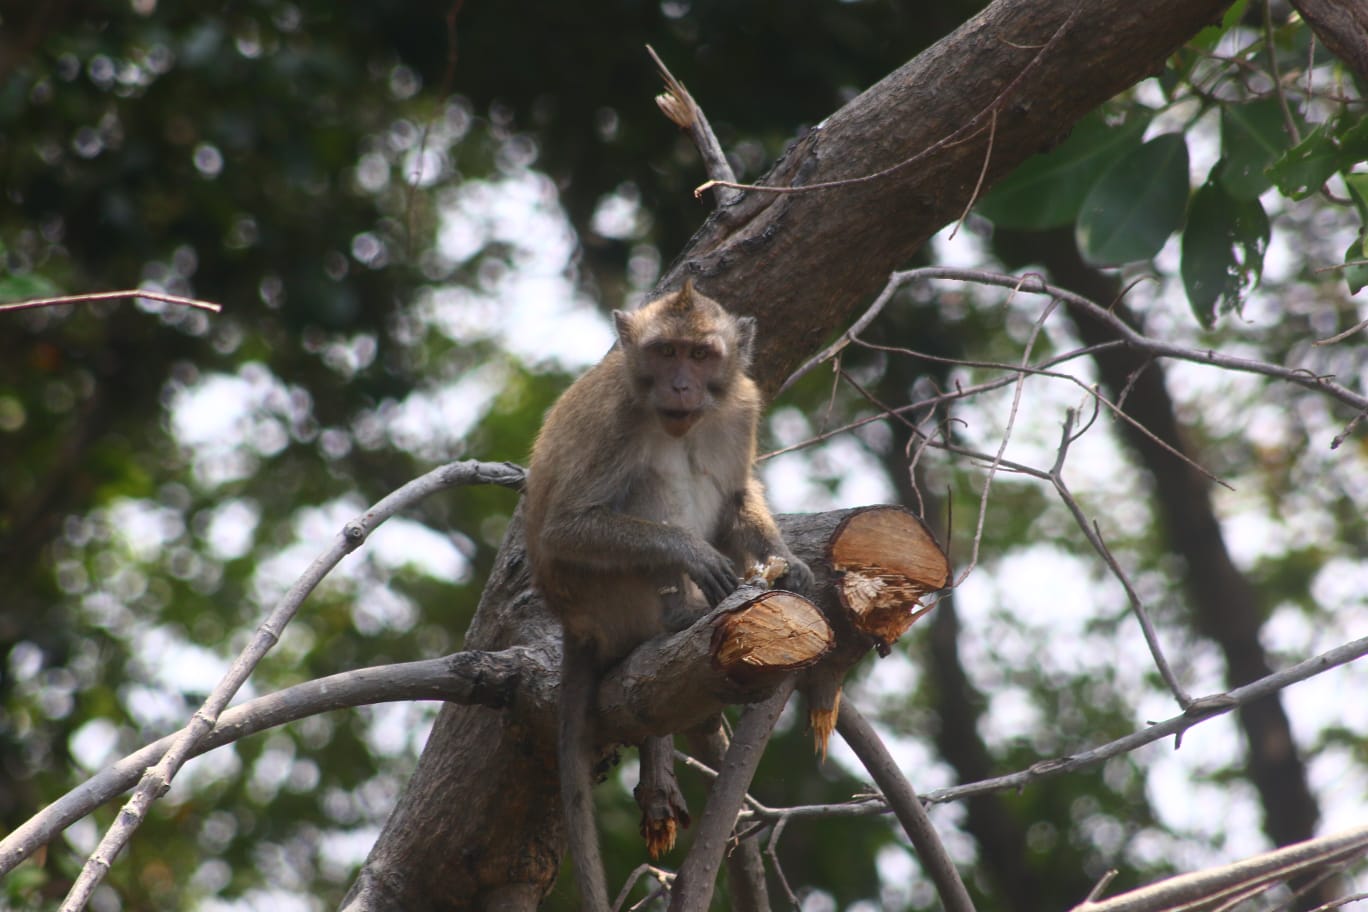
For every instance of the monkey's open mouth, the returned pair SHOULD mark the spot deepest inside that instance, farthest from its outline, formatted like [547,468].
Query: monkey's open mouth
[677,422]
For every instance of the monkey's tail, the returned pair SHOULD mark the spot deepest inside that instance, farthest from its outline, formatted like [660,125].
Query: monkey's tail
[579,680]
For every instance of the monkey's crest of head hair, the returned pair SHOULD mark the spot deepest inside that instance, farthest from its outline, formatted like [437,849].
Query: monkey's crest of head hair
[683,314]
[683,301]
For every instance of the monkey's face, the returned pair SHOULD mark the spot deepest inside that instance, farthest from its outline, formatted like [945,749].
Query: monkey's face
[683,378]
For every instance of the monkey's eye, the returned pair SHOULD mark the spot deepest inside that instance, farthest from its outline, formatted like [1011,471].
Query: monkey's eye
[665,350]
[700,353]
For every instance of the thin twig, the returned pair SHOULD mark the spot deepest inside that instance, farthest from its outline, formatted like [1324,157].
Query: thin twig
[1093,533]
[1341,902]
[1008,426]
[1340,337]
[157,780]
[92,297]
[1289,122]
[895,281]
[900,795]
[983,175]
[772,850]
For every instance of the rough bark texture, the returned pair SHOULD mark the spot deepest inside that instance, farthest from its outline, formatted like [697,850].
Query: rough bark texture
[1343,26]
[803,262]
[477,823]
[669,685]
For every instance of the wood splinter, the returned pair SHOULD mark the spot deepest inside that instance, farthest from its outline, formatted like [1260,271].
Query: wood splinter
[774,631]
[885,561]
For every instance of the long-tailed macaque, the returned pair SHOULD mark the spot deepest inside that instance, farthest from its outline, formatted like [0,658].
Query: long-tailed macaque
[641,501]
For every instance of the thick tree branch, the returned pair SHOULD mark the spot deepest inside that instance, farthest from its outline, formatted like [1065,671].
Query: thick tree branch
[746,887]
[1343,26]
[820,254]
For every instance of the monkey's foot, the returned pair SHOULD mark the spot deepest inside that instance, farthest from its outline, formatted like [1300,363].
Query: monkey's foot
[662,805]
[661,817]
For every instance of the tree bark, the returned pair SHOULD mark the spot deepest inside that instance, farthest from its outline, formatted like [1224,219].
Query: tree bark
[1343,26]
[478,815]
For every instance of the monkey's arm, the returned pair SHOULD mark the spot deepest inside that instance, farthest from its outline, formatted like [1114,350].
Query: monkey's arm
[754,536]
[600,538]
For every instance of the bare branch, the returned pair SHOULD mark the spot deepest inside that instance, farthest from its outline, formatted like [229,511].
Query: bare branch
[1198,711]
[150,295]
[1245,876]
[697,876]
[745,866]
[1094,536]
[156,780]
[899,794]
[475,678]
[679,106]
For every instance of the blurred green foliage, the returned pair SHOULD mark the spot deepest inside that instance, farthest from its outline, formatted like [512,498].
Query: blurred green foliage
[340,177]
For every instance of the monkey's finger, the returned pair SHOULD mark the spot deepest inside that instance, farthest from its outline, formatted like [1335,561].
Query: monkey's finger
[716,584]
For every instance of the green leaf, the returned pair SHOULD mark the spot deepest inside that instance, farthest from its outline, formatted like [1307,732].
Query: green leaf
[1304,168]
[1223,249]
[1356,264]
[1209,37]
[1358,192]
[1252,137]
[1133,207]
[1353,141]
[1047,191]
[26,286]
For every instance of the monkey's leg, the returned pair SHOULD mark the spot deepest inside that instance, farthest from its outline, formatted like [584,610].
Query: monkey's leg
[662,805]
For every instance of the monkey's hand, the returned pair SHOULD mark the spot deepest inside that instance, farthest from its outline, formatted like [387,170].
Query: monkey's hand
[799,577]
[712,572]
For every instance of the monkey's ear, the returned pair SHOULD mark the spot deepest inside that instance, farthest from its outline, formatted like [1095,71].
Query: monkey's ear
[745,340]
[622,322]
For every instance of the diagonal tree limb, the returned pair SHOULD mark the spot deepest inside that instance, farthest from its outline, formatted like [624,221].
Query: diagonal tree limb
[746,885]
[902,798]
[693,888]
[1206,889]
[156,780]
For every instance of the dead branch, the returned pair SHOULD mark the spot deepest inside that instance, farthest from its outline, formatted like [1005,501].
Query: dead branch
[902,798]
